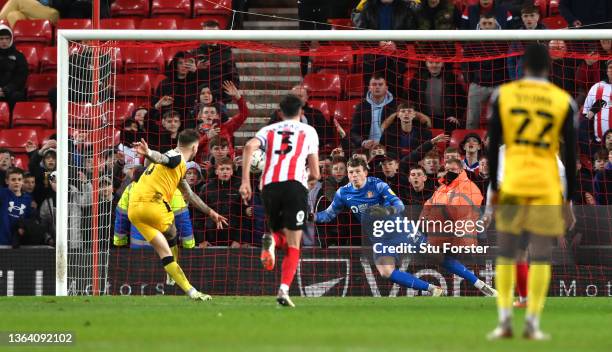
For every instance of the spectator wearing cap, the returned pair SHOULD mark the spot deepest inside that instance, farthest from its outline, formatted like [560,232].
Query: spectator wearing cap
[437,14]
[13,67]
[530,17]
[15,207]
[436,92]
[470,18]
[16,10]
[471,145]
[43,161]
[194,177]
[589,14]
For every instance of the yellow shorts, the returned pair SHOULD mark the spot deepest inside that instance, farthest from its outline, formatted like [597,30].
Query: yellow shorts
[150,218]
[542,215]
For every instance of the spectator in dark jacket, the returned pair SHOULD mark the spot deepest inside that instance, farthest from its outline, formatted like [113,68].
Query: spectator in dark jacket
[215,65]
[587,13]
[43,161]
[436,92]
[13,69]
[470,18]
[405,129]
[563,69]
[379,103]
[530,17]
[484,76]
[437,14]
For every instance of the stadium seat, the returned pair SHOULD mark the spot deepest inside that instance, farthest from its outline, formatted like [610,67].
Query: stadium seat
[31,55]
[441,145]
[340,23]
[458,135]
[118,23]
[171,7]
[553,7]
[79,115]
[45,135]
[48,59]
[556,22]
[156,80]
[207,7]
[169,52]
[325,106]
[22,161]
[15,139]
[197,23]
[146,59]
[123,111]
[343,113]
[323,85]
[5,115]
[33,32]
[354,86]
[32,114]
[122,8]
[333,58]
[74,23]
[133,85]
[542,5]
[39,86]
[158,23]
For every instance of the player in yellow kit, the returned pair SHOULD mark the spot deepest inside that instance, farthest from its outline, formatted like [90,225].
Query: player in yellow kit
[149,205]
[530,116]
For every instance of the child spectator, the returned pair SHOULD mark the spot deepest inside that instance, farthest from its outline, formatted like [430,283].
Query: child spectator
[6,162]
[418,190]
[15,206]
[194,176]
[337,179]
[405,129]
[472,145]
[29,183]
[42,163]
[166,139]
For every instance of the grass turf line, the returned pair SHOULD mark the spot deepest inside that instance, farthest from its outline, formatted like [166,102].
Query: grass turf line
[170,323]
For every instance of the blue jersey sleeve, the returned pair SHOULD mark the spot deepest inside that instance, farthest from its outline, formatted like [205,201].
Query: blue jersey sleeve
[333,210]
[389,198]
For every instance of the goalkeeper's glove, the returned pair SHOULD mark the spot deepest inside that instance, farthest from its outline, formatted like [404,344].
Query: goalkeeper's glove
[378,211]
[597,106]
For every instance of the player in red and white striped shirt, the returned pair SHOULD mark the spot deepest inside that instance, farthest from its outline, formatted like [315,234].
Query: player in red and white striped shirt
[600,93]
[289,145]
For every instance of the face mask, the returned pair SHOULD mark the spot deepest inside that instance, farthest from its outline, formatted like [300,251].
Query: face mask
[450,177]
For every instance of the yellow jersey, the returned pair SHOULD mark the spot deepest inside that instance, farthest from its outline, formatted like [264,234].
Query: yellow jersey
[532,114]
[160,181]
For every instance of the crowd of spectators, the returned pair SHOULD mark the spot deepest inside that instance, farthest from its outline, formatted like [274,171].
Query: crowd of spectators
[392,127]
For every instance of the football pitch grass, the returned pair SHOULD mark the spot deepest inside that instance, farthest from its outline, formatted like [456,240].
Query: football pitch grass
[173,323]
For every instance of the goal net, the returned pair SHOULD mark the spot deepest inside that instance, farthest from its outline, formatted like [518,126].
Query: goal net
[406,101]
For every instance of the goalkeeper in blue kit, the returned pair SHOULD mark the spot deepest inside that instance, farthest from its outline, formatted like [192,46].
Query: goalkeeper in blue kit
[371,196]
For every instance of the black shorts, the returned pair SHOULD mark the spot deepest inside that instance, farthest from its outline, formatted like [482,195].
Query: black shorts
[286,205]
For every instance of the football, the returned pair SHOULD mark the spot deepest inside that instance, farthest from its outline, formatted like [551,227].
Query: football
[258,161]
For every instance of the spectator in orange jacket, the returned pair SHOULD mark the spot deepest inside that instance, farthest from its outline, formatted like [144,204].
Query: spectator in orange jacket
[210,124]
[457,199]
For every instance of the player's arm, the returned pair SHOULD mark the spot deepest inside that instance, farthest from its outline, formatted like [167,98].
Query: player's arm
[197,202]
[396,205]
[247,154]
[154,156]
[332,211]
[495,138]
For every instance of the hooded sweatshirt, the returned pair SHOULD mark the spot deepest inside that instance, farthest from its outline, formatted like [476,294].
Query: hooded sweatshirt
[377,109]
[13,66]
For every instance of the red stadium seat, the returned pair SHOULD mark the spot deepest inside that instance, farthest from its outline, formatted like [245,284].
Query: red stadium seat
[542,5]
[340,23]
[15,139]
[354,86]
[171,7]
[74,23]
[216,7]
[33,114]
[343,113]
[156,80]
[325,106]
[5,115]
[123,111]
[556,22]
[79,115]
[133,85]
[31,55]
[169,52]
[146,59]
[39,86]
[122,8]
[118,23]
[33,32]
[323,85]
[197,23]
[332,58]
[553,7]
[48,59]
[45,135]
[22,161]
[158,23]
[458,135]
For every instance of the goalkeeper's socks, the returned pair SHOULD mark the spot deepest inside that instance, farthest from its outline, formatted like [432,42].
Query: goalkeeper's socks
[280,240]
[290,263]
[455,267]
[408,280]
[522,270]
[175,271]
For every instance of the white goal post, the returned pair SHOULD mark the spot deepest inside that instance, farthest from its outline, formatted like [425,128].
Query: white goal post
[64,36]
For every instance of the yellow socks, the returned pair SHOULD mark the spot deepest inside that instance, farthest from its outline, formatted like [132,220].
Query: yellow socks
[505,276]
[537,287]
[175,271]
